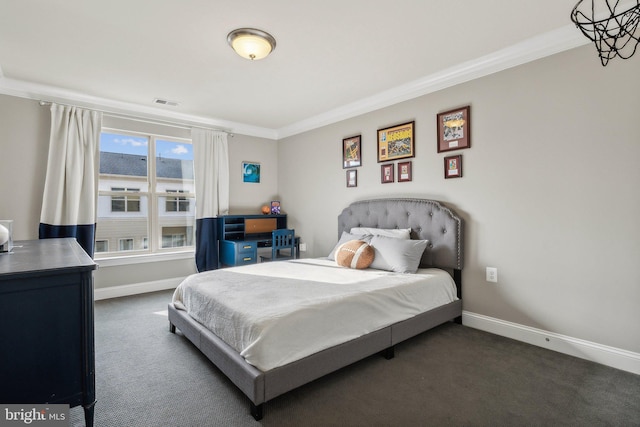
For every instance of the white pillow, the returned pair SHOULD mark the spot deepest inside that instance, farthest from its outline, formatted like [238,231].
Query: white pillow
[344,239]
[400,233]
[398,255]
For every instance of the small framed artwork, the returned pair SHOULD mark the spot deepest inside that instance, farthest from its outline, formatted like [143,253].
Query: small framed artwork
[454,129]
[386,172]
[352,178]
[453,166]
[275,207]
[351,152]
[251,172]
[396,142]
[404,171]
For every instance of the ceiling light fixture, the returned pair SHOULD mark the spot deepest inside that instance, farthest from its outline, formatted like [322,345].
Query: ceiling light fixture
[251,43]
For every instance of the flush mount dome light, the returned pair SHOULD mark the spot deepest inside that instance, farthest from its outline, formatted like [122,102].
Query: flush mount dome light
[251,43]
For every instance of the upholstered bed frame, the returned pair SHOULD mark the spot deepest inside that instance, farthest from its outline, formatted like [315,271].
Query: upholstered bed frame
[428,220]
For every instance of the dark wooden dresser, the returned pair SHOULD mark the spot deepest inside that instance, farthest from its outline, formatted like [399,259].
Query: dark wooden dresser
[46,329]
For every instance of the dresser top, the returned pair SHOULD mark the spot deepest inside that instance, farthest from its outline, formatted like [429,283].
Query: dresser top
[30,256]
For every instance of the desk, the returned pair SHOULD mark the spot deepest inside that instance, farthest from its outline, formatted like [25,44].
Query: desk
[240,239]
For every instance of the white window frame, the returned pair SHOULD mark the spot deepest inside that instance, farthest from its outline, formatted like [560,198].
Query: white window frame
[154,234]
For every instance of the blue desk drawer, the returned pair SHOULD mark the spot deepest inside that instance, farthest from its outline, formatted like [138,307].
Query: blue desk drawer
[246,247]
[238,252]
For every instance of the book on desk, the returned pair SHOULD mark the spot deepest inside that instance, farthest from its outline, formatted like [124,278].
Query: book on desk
[242,235]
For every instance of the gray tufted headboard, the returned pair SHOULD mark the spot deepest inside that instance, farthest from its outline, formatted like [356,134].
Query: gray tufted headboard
[428,220]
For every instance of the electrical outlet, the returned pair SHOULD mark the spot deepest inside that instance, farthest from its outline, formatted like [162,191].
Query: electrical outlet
[492,274]
[303,247]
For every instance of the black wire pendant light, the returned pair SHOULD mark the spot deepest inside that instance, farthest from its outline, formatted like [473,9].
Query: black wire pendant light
[612,26]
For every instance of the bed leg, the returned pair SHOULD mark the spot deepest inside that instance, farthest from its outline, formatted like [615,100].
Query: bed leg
[458,320]
[256,411]
[172,328]
[389,353]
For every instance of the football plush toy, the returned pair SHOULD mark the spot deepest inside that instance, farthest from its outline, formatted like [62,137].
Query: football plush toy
[355,254]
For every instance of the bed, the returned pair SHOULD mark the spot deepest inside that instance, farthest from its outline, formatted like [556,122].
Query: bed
[262,362]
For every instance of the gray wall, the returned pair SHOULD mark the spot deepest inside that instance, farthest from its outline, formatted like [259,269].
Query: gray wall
[24,145]
[550,190]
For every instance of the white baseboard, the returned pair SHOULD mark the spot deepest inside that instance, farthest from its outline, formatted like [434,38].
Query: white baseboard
[606,355]
[136,288]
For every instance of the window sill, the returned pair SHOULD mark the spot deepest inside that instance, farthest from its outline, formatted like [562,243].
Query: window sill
[143,259]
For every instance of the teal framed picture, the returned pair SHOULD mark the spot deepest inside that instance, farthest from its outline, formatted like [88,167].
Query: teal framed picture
[251,172]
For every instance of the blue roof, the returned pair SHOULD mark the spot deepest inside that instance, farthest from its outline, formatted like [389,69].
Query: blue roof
[135,165]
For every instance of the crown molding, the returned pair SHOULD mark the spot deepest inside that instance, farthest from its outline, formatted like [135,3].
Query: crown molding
[538,47]
[40,92]
[562,39]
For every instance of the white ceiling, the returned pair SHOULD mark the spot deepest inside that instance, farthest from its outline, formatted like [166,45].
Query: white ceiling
[334,58]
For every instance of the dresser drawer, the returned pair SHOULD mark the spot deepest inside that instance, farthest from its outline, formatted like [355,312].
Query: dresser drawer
[238,252]
[244,248]
[246,259]
[246,253]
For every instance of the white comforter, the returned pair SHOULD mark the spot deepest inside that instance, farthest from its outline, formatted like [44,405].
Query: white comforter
[275,313]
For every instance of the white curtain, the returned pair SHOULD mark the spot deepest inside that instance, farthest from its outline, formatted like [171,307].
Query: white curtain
[71,184]
[211,165]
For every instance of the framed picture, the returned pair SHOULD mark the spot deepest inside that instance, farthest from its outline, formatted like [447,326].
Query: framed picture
[386,172]
[352,178]
[454,129]
[251,172]
[351,152]
[453,166]
[275,207]
[396,142]
[404,171]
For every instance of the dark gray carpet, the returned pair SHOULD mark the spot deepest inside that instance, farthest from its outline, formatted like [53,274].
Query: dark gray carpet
[450,376]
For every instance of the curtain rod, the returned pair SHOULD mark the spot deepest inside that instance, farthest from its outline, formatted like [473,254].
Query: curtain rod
[142,120]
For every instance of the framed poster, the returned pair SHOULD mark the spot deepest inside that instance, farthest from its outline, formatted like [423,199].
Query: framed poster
[404,171]
[453,166]
[251,172]
[352,178]
[454,129]
[386,173]
[396,142]
[351,152]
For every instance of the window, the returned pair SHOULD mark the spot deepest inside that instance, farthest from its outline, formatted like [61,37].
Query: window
[125,203]
[173,240]
[102,246]
[178,203]
[146,200]
[125,244]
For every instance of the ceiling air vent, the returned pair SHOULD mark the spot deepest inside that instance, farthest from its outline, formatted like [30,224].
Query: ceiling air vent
[165,102]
